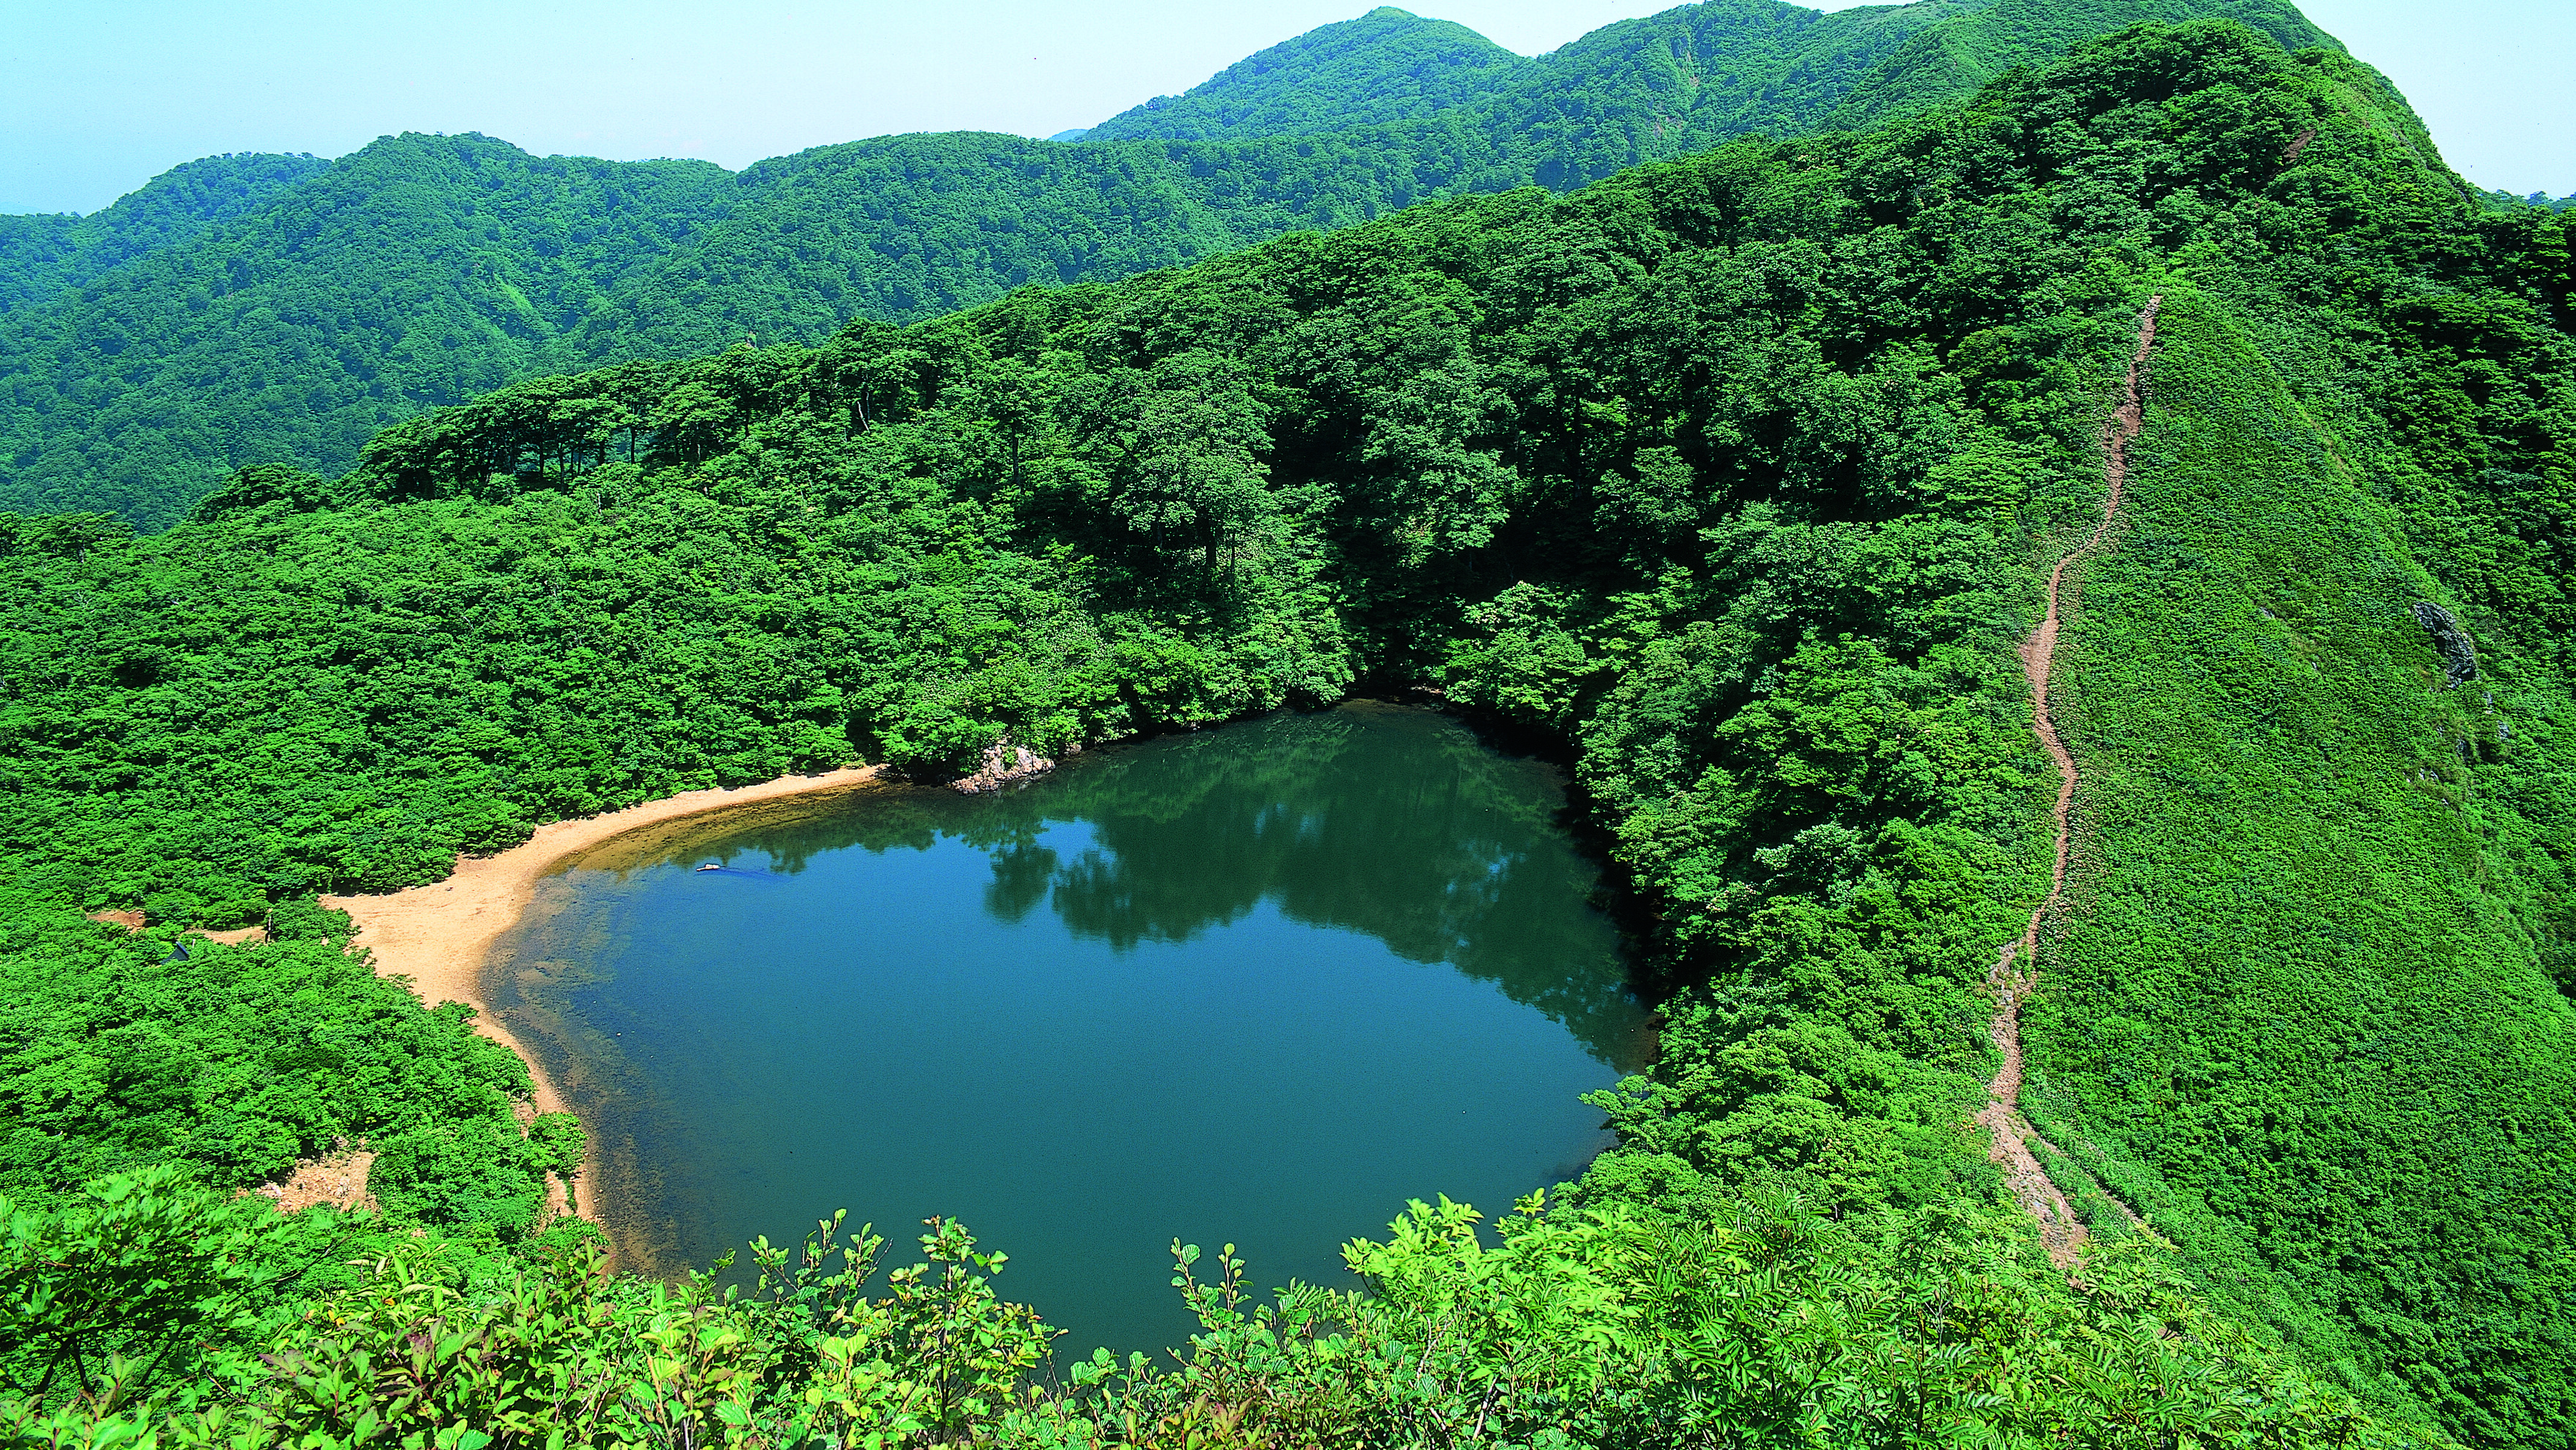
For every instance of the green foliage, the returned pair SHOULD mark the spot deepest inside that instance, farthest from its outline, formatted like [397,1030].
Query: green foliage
[234,1061]
[562,1353]
[558,1140]
[259,483]
[424,270]
[1388,65]
[120,1294]
[1763,1324]
[479,1174]
[1739,473]
[308,920]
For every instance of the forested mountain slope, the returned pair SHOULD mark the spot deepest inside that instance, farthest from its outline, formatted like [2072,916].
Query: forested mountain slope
[424,269]
[420,267]
[43,257]
[1738,473]
[1388,65]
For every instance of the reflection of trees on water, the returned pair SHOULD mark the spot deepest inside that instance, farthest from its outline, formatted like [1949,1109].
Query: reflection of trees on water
[1395,823]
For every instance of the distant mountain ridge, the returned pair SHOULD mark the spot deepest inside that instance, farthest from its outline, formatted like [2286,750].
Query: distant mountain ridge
[1388,65]
[42,257]
[414,268]
[421,270]
[1706,72]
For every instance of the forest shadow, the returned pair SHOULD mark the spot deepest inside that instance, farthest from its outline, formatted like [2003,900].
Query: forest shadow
[1386,820]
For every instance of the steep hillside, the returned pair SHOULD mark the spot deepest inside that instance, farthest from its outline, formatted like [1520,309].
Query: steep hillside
[1954,53]
[1740,474]
[43,257]
[418,269]
[481,264]
[2301,1010]
[2311,1009]
[1388,65]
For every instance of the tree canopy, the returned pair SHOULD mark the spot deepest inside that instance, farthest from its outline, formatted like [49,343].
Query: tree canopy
[424,270]
[1739,476]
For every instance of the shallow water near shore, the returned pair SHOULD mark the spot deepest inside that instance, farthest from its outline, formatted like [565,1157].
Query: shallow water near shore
[1259,985]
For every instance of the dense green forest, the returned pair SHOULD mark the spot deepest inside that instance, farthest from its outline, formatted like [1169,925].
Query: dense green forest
[1737,473]
[233,1062]
[423,270]
[44,257]
[1388,65]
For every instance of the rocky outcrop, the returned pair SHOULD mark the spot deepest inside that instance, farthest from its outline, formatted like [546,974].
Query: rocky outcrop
[1004,764]
[2459,657]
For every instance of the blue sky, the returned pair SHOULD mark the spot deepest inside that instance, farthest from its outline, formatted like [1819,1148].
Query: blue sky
[96,97]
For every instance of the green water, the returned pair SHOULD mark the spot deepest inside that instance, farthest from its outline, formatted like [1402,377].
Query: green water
[1256,986]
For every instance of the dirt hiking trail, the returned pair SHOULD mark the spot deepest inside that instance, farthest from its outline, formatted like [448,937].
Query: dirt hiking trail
[2017,965]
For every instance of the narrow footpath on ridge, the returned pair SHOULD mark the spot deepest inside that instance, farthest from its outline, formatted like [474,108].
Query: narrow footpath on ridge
[2017,966]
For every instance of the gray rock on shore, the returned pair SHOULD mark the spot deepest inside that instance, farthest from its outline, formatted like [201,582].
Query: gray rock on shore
[1004,764]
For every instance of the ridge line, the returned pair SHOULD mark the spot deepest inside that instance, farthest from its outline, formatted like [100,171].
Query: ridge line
[2016,968]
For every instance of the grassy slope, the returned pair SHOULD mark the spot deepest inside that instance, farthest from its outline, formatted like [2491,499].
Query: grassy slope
[2294,1016]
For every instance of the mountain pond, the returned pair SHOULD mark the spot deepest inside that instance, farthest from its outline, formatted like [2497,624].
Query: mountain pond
[1258,985]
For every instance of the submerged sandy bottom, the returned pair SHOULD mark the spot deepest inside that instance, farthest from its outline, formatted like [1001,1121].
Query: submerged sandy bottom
[439,937]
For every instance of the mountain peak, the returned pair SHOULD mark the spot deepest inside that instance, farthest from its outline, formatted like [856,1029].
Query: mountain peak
[1386,65]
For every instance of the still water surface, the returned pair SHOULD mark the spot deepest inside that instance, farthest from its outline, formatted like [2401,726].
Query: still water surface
[1256,986]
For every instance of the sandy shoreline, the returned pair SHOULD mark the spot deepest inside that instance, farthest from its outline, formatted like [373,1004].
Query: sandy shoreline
[440,935]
